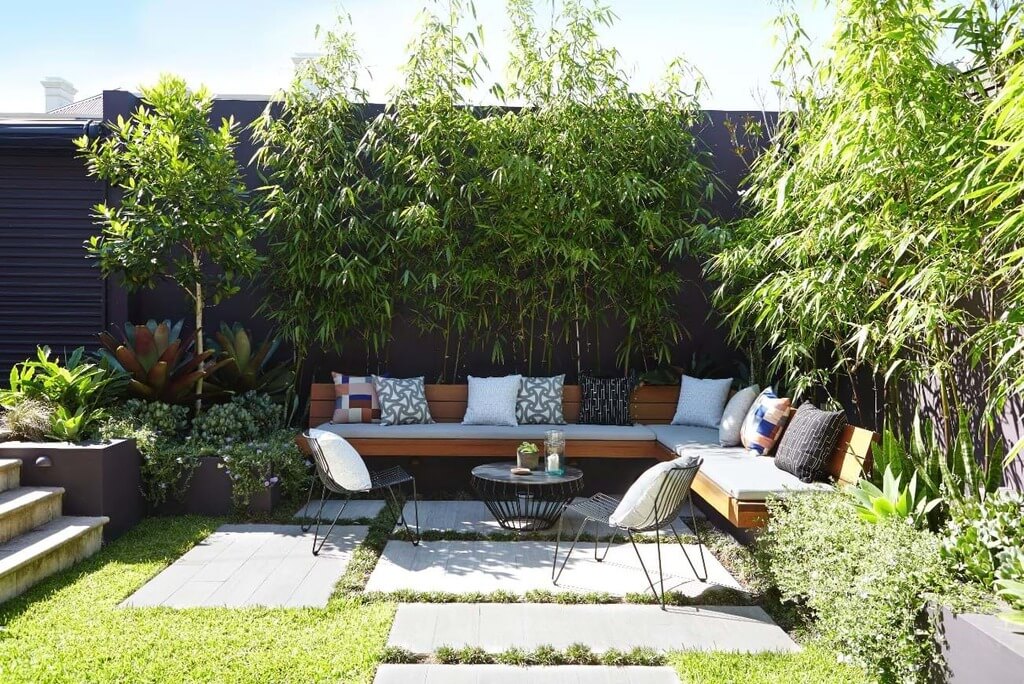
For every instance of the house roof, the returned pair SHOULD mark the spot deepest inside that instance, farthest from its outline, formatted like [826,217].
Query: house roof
[89,108]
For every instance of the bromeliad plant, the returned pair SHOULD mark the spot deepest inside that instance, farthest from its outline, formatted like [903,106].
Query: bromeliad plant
[160,364]
[243,367]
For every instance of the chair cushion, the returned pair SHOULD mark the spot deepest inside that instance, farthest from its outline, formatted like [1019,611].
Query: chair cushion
[764,422]
[459,431]
[343,464]
[492,401]
[636,510]
[674,437]
[808,442]
[746,477]
[701,401]
[355,399]
[402,401]
[605,401]
[540,401]
[733,415]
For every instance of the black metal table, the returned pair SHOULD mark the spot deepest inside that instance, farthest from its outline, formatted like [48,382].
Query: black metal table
[525,502]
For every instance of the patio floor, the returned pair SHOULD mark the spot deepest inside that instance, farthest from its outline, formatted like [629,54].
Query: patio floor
[507,674]
[252,565]
[463,567]
[495,627]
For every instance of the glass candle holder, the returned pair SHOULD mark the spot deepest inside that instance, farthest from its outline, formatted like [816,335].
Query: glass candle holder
[554,452]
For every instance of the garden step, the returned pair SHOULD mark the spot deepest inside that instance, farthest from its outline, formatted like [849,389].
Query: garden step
[50,548]
[10,473]
[508,674]
[26,508]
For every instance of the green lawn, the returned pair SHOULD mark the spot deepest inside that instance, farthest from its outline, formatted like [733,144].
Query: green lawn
[69,629]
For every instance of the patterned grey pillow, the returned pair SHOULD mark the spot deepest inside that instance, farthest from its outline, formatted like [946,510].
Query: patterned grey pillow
[403,401]
[492,401]
[808,442]
[605,401]
[701,401]
[540,401]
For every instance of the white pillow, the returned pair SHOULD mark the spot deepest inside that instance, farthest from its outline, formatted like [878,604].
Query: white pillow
[344,464]
[734,414]
[701,401]
[492,401]
[637,507]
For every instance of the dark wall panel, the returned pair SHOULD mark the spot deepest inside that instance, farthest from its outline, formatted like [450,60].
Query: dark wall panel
[49,292]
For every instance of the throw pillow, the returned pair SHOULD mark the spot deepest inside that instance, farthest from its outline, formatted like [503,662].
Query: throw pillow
[733,415]
[355,399]
[492,401]
[637,506]
[809,441]
[701,401]
[764,422]
[402,401]
[343,463]
[605,401]
[540,401]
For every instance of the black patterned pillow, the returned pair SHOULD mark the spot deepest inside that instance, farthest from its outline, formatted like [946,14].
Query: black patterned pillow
[809,441]
[402,401]
[540,401]
[605,401]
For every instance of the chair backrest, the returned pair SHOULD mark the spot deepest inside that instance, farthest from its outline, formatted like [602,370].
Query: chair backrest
[338,465]
[671,496]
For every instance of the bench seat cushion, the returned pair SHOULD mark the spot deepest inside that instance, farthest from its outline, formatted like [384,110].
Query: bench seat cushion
[459,431]
[739,474]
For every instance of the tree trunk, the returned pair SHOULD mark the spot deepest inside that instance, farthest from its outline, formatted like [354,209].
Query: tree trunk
[199,341]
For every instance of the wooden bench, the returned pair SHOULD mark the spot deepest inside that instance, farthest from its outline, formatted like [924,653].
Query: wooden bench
[649,405]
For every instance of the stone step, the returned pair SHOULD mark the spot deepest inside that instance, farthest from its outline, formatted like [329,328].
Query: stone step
[25,508]
[10,473]
[422,628]
[508,674]
[50,548]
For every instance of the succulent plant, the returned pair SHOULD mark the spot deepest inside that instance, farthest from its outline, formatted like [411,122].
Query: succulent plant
[158,360]
[245,368]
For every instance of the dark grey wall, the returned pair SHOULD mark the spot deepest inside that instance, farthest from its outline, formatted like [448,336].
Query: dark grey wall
[411,353]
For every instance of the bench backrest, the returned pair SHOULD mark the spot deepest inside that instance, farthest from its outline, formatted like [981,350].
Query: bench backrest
[652,404]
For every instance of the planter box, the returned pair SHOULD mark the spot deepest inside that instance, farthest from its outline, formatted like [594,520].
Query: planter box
[209,493]
[979,648]
[99,478]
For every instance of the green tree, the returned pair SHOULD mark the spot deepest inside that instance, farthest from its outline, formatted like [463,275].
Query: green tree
[182,213]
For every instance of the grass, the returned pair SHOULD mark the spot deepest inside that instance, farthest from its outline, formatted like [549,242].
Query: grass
[69,628]
[813,665]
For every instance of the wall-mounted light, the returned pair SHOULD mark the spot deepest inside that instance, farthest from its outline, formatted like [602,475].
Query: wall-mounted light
[43,462]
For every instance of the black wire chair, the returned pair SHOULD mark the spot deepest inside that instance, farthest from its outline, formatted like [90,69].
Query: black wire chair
[380,480]
[673,494]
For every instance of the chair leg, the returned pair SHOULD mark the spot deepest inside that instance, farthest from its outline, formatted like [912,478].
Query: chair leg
[327,534]
[398,513]
[597,527]
[700,545]
[416,512]
[646,573]
[554,578]
[309,498]
[558,541]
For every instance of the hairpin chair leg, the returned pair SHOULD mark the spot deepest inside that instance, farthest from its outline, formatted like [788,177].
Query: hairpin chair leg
[554,576]
[700,545]
[323,540]
[309,499]
[611,539]
[643,565]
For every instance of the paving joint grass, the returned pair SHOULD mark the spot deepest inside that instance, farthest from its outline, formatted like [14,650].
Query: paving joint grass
[574,654]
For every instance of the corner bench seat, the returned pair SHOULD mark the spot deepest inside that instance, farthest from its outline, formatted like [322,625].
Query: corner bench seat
[732,482]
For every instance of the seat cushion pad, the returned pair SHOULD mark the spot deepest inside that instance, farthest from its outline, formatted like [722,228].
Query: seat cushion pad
[519,432]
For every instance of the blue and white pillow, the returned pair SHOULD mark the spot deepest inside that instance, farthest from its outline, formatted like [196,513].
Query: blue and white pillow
[403,401]
[492,401]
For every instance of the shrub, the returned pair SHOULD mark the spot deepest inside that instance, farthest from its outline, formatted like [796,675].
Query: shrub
[260,463]
[866,584]
[221,425]
[266,413]
[985,539]
[28,420]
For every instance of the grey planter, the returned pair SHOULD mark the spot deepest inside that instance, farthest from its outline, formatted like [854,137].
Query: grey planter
[209,493]
[99,478]
[979,648]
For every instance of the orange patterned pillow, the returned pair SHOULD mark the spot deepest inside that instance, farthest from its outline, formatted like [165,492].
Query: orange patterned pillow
[356,399]
[764,422]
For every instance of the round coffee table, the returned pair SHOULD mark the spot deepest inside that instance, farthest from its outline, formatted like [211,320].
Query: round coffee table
[525,502]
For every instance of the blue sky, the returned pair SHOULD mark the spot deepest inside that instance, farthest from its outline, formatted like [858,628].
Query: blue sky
[245,46]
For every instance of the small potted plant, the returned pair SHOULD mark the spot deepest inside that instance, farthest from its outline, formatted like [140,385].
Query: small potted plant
[528,456]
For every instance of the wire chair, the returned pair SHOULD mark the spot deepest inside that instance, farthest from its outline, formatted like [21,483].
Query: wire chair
[380,480]
[673,494]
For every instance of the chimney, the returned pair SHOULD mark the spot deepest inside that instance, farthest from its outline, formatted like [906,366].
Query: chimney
[59,92]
